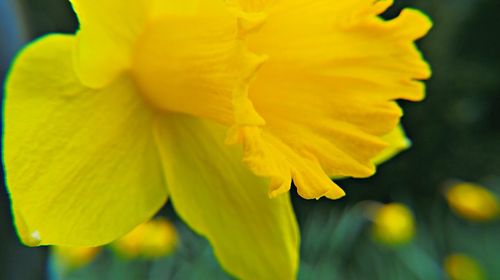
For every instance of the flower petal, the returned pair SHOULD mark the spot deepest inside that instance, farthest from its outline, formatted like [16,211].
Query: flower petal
[328,90]
[397,141]
[108,31]
[253,237]
[81,165]
[197,63]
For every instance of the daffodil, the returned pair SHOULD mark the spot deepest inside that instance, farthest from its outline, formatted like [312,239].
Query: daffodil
[393,224]
[218,105]
[460,266]
[150,240]
[473,202]
[69,258]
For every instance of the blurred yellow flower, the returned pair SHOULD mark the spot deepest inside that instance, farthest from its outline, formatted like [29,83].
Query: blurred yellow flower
[152,239]
[393,224]
[473,202]
[74,257]
[217,104]
[463,267]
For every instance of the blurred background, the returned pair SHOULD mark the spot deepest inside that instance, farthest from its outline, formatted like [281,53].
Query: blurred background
[429,213]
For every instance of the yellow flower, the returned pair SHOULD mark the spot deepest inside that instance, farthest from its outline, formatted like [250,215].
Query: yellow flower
[463,267]
[473,202]
[74,257]
[152,239]
[217,105]
[393,224]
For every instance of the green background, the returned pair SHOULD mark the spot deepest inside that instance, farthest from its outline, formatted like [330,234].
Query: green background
[455,134]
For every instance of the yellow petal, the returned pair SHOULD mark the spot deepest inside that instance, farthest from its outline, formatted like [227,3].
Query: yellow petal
[196,63]
[81,165]
[328,91]
[253,237]
[107,34]
[251,6]
[109,31]
[397,141]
